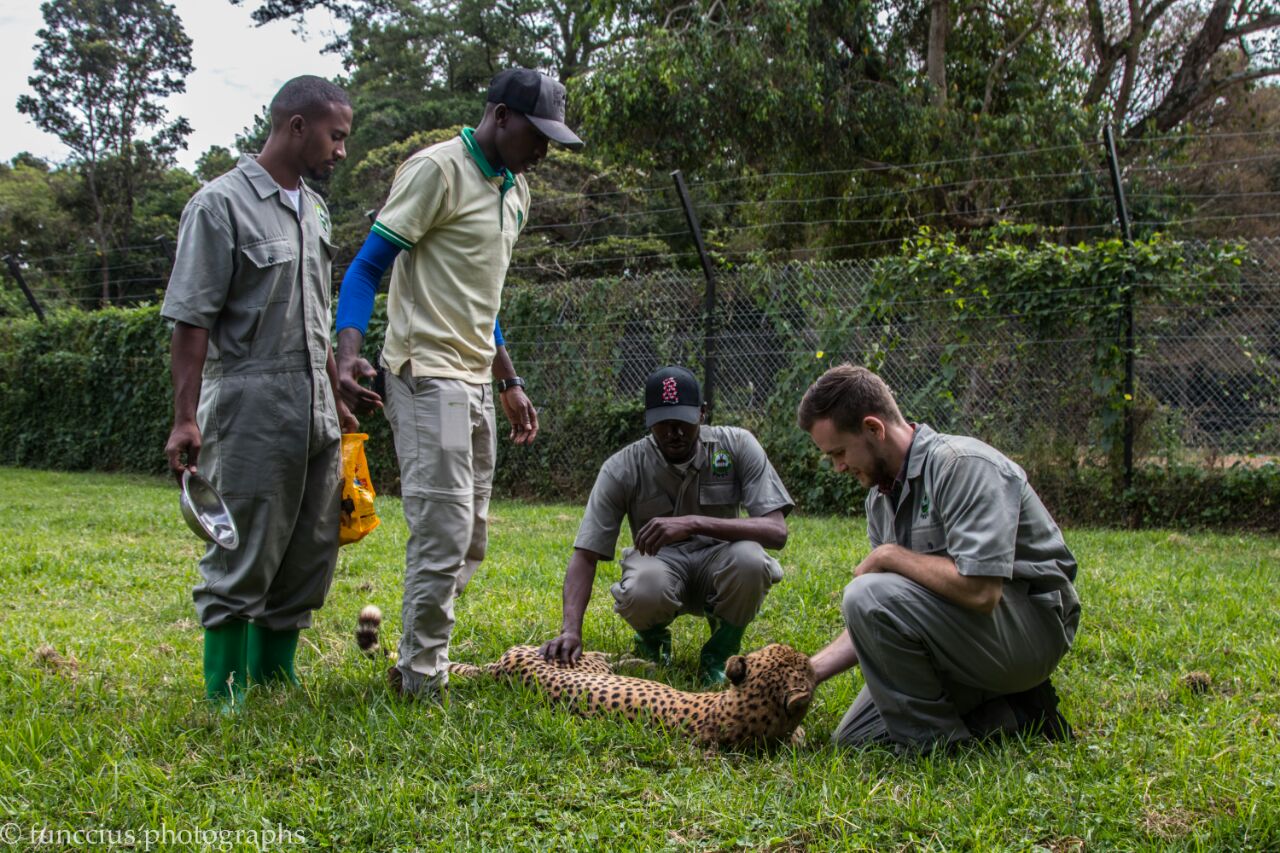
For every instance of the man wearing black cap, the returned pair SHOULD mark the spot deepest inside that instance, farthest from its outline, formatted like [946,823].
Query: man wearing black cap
[453,215]
[680,488]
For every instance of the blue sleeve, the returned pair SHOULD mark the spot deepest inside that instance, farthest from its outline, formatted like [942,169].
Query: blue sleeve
[498,339]
[360,283]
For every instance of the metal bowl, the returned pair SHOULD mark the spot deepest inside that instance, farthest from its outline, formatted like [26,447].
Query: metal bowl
[206,513]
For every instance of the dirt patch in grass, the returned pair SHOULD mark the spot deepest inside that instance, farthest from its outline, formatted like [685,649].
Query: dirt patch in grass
[51,659]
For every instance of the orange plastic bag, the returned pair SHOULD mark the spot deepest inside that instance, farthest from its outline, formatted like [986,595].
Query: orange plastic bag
[358,515]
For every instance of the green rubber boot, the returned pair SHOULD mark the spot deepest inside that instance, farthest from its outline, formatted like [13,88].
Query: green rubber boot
[654,644]
[724,643]
[225,654]
[271,655]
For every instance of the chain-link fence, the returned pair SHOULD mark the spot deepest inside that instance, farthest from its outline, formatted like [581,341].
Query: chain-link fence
[1212,369]
[1206,363]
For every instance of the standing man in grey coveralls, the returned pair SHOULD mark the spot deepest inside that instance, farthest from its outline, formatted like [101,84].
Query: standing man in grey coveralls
[680,488]
[965,604]
[254,382]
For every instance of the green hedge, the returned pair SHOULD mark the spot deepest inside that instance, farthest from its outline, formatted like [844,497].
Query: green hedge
[86,391]
[92,390]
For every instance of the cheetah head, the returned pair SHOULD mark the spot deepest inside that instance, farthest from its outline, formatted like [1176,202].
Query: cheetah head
[770,691]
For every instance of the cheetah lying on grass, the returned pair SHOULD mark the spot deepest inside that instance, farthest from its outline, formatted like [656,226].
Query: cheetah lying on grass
[769,690]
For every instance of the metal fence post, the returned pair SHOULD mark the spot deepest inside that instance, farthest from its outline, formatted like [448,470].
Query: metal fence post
[709,307]
[166,246]
[1123,212]
[16,272]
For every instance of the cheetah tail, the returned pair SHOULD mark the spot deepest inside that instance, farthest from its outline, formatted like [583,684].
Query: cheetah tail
[467,670]
[369,631]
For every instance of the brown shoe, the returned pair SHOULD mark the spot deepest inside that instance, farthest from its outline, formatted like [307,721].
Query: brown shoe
[431,691]
[395,680]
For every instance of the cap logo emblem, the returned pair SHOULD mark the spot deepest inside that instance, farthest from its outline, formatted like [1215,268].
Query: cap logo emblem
[670,394]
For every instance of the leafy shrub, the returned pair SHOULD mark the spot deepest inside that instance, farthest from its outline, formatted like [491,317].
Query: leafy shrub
[92,390]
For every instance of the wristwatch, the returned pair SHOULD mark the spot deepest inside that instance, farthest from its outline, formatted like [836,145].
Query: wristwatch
[513,382]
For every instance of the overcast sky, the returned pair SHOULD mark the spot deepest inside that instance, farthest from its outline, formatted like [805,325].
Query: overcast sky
[238,67]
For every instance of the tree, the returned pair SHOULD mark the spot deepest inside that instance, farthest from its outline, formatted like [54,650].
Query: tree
[805,113]
[214,162]
[1155,62]
[102,70]
[562,35]
[36,210]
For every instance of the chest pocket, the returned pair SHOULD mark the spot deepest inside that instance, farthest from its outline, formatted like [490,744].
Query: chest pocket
[720,499]
[274,259]
[928,537]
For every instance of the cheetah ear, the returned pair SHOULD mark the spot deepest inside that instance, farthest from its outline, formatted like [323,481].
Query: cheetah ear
[797,703]
[736,669]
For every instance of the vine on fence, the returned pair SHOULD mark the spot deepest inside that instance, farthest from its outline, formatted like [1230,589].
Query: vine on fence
[952,326]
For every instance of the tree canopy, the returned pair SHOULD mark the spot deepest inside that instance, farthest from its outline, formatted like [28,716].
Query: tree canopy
[805,128]
[103,68]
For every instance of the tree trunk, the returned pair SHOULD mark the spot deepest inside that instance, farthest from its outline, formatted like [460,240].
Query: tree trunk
[100,233]
[935,63]
[1191,79]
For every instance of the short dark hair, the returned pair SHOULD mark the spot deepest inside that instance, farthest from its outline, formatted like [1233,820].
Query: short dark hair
[307,96]
[846,394]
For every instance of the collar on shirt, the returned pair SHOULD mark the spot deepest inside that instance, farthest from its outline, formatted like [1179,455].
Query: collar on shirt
[901,479]
[504,180]
[699,453]
[259,178]
[919,450]
[913,464]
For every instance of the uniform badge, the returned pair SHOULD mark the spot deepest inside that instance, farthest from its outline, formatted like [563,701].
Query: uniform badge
[324,217]
[924,506]
[721,464]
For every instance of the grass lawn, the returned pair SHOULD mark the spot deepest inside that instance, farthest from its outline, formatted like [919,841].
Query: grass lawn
[106,729]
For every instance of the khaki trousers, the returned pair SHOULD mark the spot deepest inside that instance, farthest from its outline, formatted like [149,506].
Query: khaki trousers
[446,441]
[927,661]
[699,575]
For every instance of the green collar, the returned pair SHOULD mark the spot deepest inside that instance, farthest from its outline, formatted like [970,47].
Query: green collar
[473,148]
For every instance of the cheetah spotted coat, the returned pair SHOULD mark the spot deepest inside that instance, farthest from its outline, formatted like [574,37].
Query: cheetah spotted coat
[768,694]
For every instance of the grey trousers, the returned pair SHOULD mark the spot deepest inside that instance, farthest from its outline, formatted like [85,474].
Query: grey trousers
[699,575]
[927,661]
[274,454]
[446,441]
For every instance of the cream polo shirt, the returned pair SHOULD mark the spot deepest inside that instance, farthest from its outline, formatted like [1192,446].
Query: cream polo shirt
[457,220]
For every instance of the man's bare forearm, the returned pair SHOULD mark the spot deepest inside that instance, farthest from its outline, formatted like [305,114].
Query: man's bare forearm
[578,579]
[938,573]
[769,530]
[187,350]
[502,366]
[350,340]
[838,656]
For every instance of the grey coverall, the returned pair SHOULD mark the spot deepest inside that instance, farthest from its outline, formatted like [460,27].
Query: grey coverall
[927,661]
[729,470]
[256,273]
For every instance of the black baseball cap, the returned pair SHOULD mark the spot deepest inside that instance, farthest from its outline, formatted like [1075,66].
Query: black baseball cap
[672,394]
[539,98]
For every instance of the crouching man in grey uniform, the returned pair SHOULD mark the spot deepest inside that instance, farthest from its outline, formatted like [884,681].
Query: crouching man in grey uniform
[249,299]
[680,488]
[965,604]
